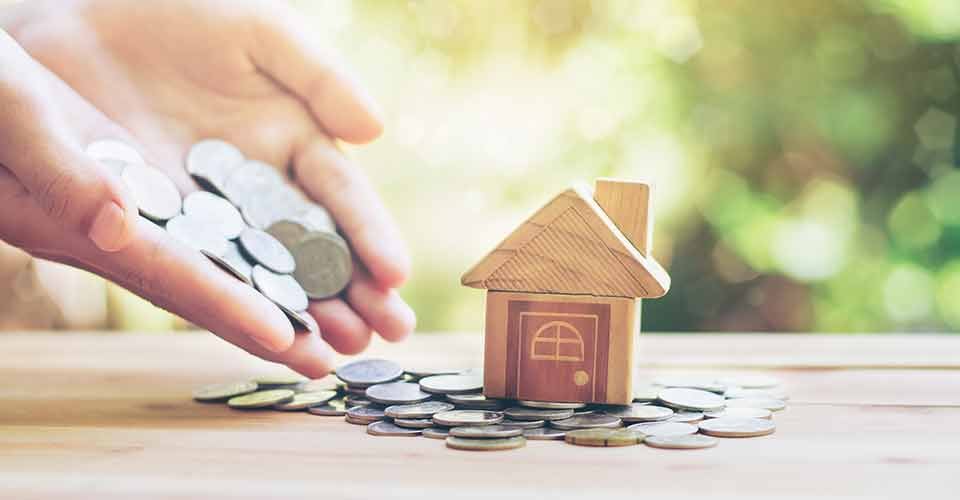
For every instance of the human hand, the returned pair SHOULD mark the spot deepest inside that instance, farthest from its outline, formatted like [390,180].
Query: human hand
[172,72]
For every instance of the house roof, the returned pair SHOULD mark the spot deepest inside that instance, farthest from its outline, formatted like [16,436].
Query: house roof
[569,246]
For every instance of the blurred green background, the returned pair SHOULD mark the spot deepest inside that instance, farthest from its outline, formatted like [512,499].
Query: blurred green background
[804,153]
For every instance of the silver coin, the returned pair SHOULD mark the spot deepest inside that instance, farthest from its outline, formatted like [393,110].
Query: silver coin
[750,381]
[367,413]
[396,393]
[691,399]
[745,412]
[233,262]
[332,408]
[523,424]
[549,405]
[390,429]
[282,289]
[367,372]
[223,392]
[686,417]
[115,167]
[305,400]
[414,423]
[267,251]
[359,391]
[664,428]
[302,321]
[690,382]
[646,393]
[456,418]
[765,403]
[282,202]
[421,372]
[639,413]
[195,234]
[681,442]
[316,219]
[737,427]
[511,443]
[210,161]
[485,431]
[740,393]
[352,400]
[436,432]
[524,413]
[323,264]
[476,402]
[215,212]
[418,410]
[328,383]
[156,195]
[249,179]
[591,421]
[452,384]
[544,434]
[113,149]
[287,232]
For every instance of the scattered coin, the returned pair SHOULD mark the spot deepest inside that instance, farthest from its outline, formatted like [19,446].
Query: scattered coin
[737,427]
[328,383]
[251,178]
[523,424]
[664,428]
[646,393]
[690,382]
[267,251]
[750,381]
[383,428]
[476,402]
[544,434]
[156,195]
[304,400]
[455,418]
[332,408]
[547,405]
[485,444]
[765,403]
[686,417]
[639,413]
[691,399]
[222,392]
[452,384]
[744,412]
[232,262]
[280,203]
[286,232]
[485,431]
[195,234]
[279,380]
[682,442]
[367,372]
[418,410]
[396,393]
[215,212]
[323,264]
[414,423]
[524,413]
[261,399]
[282,289]
[603,437]
[367,414]
[113,149]
[589,421]
[436,432]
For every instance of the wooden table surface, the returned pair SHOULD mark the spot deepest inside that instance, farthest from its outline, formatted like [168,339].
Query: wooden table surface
[110,416]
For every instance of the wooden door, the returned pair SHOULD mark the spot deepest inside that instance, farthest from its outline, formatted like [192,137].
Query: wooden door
[557,351]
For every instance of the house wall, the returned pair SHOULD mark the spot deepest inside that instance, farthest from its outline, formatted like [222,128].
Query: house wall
[617,356]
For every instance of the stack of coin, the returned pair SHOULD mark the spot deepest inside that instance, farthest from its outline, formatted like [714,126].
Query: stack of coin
[250,220]
[676,413]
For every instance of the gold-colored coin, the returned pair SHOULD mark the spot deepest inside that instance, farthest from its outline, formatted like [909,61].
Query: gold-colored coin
[682,442]
[279,380]
[603,437]
[223,392]
[304,400]
[261,399]
[486,444]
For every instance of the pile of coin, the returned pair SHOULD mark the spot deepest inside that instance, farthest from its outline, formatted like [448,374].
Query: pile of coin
[250,220]
[670,412]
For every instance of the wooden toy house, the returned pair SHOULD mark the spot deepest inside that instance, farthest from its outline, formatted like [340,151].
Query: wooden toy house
[563,297]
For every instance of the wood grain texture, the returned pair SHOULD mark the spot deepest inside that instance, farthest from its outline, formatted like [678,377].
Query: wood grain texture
[109,416]
[629,205]
[569,246]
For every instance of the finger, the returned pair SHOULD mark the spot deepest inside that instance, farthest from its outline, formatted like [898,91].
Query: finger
[71,188]
[158,268]
[309,355]
[340,326]
[288,52]
[344,190]
[384,310]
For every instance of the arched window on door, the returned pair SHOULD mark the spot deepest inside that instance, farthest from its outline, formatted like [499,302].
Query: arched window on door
[557,341]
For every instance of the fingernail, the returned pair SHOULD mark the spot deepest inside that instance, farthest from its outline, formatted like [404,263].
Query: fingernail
[109,229]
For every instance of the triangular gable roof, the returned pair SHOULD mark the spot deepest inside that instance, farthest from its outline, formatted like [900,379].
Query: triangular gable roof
[569,246]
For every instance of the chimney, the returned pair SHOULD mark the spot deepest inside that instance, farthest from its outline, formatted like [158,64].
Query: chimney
[627,203]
